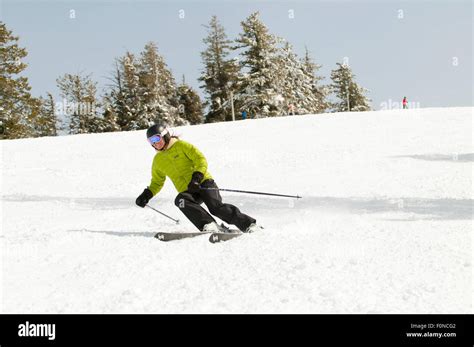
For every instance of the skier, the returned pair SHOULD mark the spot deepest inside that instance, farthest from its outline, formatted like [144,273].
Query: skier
[405,102]
[186,166]
[291,110]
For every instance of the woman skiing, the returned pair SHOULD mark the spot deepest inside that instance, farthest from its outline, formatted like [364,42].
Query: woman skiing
[186,166]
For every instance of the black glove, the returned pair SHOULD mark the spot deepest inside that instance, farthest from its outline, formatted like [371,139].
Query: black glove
[144,197]
[195,185]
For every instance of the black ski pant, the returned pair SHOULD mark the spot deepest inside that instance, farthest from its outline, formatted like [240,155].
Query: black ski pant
[190,205]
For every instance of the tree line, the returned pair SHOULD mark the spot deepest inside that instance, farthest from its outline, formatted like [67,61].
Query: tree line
[264,78]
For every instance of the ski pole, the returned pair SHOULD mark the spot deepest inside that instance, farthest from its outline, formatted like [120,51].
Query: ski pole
[154,209]
[250,192]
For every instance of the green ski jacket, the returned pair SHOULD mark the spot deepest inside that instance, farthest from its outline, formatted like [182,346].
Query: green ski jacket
[178,163]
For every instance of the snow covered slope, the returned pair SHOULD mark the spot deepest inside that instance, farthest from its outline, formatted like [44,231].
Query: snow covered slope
[385,223]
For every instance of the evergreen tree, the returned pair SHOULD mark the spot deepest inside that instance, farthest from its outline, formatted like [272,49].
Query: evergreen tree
[121,99]
[18,109]
[158,91]
[143,91]
[190,106]
[320,92]
[259,88]
[219,74]
[46,122]
[296,84]
[126,96]
[348,91]
[110,117]
[80,94]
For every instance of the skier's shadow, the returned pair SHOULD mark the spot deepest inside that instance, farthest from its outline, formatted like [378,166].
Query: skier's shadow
[407,209]
[454,157]
[118,233]
[89,203]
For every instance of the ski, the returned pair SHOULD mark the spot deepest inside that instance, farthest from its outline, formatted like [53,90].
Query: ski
[225,234]
[220,237]
[163,236]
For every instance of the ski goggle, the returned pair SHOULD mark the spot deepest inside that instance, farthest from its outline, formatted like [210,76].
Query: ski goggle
[154,139]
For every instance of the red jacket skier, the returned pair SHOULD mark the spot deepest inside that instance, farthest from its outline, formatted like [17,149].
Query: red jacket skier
[405,102]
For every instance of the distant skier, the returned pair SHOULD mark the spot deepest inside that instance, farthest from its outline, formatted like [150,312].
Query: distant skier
[244,115]
[291,110]
[186,166]
[405,103]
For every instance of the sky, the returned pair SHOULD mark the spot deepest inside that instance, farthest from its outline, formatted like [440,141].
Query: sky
[418,49]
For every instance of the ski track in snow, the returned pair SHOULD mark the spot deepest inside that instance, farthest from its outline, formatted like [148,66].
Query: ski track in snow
[384,225]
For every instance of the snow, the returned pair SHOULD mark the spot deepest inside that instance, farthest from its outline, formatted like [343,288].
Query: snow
[384,225]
